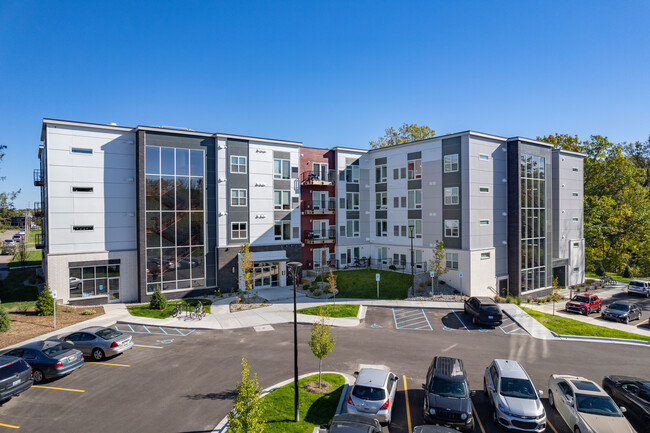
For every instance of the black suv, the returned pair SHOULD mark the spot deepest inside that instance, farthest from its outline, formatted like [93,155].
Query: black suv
[484,311]
[352,423]
[15,376]
[447,401]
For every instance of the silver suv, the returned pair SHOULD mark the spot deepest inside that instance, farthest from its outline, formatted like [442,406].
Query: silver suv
[373,393]
[516,404]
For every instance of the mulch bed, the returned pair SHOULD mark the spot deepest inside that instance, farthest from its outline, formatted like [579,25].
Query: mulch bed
[26,325]
[315,389]
[250,303]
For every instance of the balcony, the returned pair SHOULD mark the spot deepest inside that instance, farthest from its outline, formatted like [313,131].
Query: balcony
[317,178]
[38,209]
[39,241]
[39,177]
[320,207]
[320,236]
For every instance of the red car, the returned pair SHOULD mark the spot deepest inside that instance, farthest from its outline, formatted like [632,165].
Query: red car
[584,304]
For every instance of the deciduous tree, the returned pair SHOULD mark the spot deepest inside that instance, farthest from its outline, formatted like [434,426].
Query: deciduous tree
[322,343]
[246,415]
[438,263]
[246,267]
[405,134]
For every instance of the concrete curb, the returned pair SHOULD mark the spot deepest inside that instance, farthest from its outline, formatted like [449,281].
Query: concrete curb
[222,427]
[600,339]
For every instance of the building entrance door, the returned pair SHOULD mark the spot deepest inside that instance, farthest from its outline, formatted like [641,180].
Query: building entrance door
[113,290]
[265,275]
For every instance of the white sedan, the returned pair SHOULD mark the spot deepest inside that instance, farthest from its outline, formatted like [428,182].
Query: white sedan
[584,406]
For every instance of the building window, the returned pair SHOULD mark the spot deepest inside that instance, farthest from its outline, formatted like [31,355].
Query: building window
[380,173]
[414,169]
[238,231]
[575,194]
[281,169]
[95,280]
[395,202]
[82,150]
[417,227]
[485,256]
[282,200]
[575,220]
[382,228]
[352,228]
[418,259]
[238,197]
[320,200]
[415,199]
[83,228]
[238,164]
[483,157]
[452,228]
[396,173]
[381,200]
[484,189]
[575,169]
[451,196]
[576,269]
[382,253]
[282,230]
[82,189]
[403,231]
[352,200]
[484,222]
[395,230]
[352,174]
[576,245]
[451,163]
[451,261]
[403,200]
[320,171]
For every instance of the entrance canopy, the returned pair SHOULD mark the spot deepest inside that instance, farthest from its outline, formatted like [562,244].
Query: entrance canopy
[269,256]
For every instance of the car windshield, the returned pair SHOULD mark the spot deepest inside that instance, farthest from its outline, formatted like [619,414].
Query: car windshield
[597,405]
[519,388]
[636,283]
[108,334]
[578,298]
[55,350]
[618,306]
[12,368]
[445,388]
[368,393]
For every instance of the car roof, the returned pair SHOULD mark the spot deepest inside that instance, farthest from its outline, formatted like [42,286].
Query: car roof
[353,418]
[7,359]
[583,385]
[511,368]
[621,378]
[371,377]
[485,300]
[448,368]
[40,345]
[92,329]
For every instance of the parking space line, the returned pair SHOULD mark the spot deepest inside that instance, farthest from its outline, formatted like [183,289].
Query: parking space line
[480,424]
[414,320]
[408,410]
[153,332]
[58,389]
[461,322]
[550,425]
[146,329]
[8,425]
[148,347]
[410,320]
[641,323]
[108,363]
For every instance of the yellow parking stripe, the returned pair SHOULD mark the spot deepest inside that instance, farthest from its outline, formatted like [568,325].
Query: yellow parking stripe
[641,323]
[149,347]
[480,424]
[60,389]
[408,410]
[600,316]
[8,425]
[550,425]
[108,363]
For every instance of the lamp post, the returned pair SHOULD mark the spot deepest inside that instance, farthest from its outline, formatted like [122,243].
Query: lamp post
[411,236]
[294,266]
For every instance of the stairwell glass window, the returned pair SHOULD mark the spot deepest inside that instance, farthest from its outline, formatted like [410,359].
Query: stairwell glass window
[414,169]
[381,173]
[451,196]
[81,150]
[282,200]
[452,228]
[415,199]
[451,163]
[382,200]
[238,230]
[281,169]
[238,197]
[238,164]
[418,227]
[382,228]
[451,261]
[352,200]
[282,230]
[352,228]
[352,174]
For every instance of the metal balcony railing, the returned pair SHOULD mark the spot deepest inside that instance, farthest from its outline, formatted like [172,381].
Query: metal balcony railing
[39,241]
[320,206]
[320,236]
[38,209]
[39,177]
[317,177]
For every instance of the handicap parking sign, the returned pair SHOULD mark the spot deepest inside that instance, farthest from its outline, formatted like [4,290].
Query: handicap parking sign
[432,273]
[377,277]
[460,275]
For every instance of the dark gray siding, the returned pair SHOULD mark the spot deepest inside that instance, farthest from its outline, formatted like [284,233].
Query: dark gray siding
[452,146]
[238,181]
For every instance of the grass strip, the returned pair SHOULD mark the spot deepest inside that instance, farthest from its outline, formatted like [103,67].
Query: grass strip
[340,310]
[32,258]
[315,409]
[144,310]
[564,326]
[12,288]
[361,284]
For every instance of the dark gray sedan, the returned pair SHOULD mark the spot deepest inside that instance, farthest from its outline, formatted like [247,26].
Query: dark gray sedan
[99,342]
[623,312]
[49,358]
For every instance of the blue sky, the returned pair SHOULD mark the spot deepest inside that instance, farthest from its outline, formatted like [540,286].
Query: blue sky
[327,74]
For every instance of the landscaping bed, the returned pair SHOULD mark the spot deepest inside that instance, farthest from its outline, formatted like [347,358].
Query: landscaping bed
[340,310]
[249,302]
[143,310]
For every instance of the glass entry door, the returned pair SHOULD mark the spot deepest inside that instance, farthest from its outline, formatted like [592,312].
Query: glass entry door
[265,275]
[113,290]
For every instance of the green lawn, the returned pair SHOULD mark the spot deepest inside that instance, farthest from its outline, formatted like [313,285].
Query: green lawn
[144,311]
[33,258]
[32,237]
[315,409]
[564,326]
[616,277]
[13,290]
[10,306]
[361,284]
[340,310]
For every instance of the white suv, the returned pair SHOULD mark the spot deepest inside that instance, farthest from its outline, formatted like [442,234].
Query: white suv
[639,287]
[516,404]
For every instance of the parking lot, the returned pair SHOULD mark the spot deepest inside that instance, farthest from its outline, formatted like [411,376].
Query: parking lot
[182,380]
[643,301]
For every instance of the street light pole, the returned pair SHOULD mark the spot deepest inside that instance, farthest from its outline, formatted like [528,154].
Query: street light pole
[411,236]
[294,270]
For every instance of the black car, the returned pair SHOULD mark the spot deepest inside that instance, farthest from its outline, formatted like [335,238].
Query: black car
[352,423]
[632,393]
[483,311]
[432,429]
[622,312]
[447,400]
[49,358]
[15,376]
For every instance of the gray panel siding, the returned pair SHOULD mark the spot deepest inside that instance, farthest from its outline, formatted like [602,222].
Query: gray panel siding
[415,184]
[381,187]
[414,155]
[381,214]
[284,184]
[514,223]
[352,215]
[281,155]
[280,215]
[449,147]
[351,187]
[237,181]
[381,161]
[415,214]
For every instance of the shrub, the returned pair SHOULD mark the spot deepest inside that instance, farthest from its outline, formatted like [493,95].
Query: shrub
[5,321]
[529,299]
[306,286]
[217,293]
[45,303]
[600,269]
[499,299]
[22,308]
[627,273]
[158,301]
[317,292]
[392,267]
[88,312]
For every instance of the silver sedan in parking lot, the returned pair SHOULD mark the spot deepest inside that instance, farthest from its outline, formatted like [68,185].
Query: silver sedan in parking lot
[99,342]
[373,393]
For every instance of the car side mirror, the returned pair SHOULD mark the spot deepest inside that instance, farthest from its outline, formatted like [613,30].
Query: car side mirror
[395,379]
[472,393]
[623,410]
[356,373]
[492,388]
[540,392]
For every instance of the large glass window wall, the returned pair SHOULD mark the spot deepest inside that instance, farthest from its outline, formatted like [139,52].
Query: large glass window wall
[533,222]
[175,218]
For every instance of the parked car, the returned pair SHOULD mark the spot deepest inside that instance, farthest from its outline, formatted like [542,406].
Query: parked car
[639,287]
[373,393]
[15,376]
[75,283]
[49,358]
[584,304]
[99,342]
[351,423]
[447,400]
[515,403]
[484,311]
[17,238]
[432,429]
[584,406]
[8,246]
[622,312]
[632,393]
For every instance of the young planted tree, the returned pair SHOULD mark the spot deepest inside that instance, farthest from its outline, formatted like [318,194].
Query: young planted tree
[246,414]
[322,343]
[246,267]
[331,281]
[555,295]
[158,301]
[5,320]
[45,303]
[438,263]
[22,251]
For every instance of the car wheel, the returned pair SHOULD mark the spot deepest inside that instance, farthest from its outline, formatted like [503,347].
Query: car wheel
[473,320]
[576,429]
[627,320]
[485,387]
[551,399]
[585,312]
[98,354]
[598,309]
[495,418]
[79,286]
[38,376]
